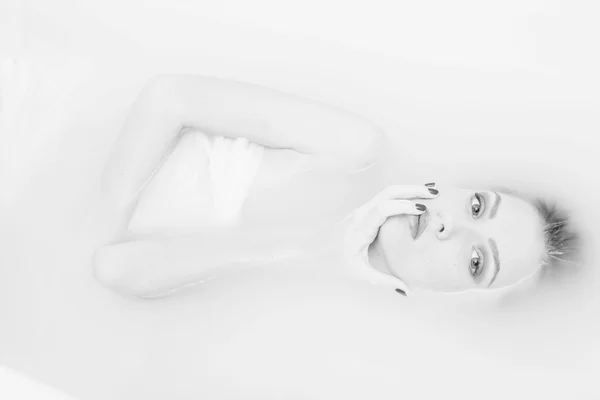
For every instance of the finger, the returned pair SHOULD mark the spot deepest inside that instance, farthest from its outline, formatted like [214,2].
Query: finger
[379,212]
[386,209]
[407,192]
[382,211]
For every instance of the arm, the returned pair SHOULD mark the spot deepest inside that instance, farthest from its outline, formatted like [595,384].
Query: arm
[154,266]
[169,104]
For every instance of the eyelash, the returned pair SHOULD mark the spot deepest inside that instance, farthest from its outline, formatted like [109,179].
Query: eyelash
[476,254]
[476,270]
[481,205]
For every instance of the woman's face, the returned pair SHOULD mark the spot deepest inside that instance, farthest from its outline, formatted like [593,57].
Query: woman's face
[467,239]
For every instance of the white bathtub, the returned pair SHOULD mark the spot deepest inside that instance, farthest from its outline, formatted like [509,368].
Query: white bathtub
[16,386]
[461,78]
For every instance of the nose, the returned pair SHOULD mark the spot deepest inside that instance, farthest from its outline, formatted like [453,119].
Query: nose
[445,226]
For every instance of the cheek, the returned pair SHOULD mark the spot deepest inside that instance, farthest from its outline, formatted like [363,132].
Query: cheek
[450,203]
[427,263]
[437,266]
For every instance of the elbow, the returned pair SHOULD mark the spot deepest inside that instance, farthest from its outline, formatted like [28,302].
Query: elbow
[110,270]
[160,84]
[119,268]
[160,96]
[106,269]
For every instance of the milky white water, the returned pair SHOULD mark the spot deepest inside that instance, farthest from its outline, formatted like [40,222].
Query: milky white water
[517,115]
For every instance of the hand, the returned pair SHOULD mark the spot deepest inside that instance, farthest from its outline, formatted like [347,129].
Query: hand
[363,226]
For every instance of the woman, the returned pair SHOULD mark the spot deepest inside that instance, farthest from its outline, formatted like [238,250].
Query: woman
[407,237]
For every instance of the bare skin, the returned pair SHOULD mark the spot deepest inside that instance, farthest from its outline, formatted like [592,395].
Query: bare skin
[310,177]
[136,262]
[318,181]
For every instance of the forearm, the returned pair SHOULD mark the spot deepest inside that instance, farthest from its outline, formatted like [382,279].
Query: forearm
[155,265]
[268,117]
[218,107]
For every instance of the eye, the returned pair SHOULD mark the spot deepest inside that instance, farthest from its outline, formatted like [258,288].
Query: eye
[476,264]
[477,205]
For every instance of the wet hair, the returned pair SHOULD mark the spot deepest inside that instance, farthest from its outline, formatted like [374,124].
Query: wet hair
[562,242]
[561,262]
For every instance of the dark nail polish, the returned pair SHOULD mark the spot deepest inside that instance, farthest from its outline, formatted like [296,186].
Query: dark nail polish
[402,292]
[421,207]
[430,184]
[433,191]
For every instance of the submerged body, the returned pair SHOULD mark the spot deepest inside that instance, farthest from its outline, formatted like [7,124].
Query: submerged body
[219,181]
[232,203]
[252,175]
[62,327]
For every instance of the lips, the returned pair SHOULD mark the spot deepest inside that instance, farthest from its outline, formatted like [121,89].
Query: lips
[417,224]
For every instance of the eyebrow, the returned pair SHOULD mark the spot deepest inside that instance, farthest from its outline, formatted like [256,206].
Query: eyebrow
[494,209]
[496,260]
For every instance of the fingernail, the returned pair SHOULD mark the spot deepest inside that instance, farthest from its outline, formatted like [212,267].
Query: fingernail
[421,207]
[402,292]
[433,191]
[430,184]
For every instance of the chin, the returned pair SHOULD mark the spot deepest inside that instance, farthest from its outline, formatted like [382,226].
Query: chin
[395,237]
